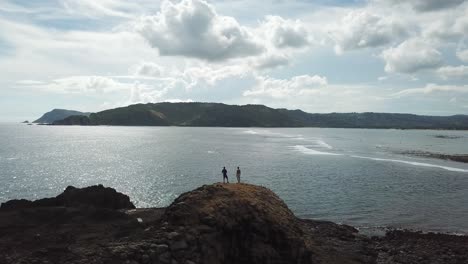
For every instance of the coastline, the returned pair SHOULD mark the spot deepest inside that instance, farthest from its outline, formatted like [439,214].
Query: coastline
[102,225]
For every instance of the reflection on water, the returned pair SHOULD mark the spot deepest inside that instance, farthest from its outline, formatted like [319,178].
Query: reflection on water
[352,176]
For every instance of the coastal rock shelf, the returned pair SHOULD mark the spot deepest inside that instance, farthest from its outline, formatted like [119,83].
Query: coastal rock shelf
[231,223]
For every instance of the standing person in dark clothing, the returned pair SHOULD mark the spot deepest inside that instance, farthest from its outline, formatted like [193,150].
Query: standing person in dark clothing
[225,177]
[238,174]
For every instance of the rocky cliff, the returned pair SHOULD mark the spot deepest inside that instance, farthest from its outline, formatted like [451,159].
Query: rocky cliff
[219,223]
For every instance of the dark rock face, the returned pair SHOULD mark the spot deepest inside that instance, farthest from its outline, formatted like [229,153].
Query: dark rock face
[220,223]
[16,204]
[94,196]
[97,196]
[241,224]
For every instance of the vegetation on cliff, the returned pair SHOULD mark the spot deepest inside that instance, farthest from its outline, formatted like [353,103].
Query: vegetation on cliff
[222,115]
[58,114]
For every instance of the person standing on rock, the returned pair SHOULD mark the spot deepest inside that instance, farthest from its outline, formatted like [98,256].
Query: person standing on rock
[238,173]
[225,177]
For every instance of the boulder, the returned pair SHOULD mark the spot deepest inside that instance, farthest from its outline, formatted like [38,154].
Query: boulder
[241,223]
[96,196]
[16,204]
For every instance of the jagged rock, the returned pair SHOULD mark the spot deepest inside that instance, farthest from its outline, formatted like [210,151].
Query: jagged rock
[15,204]
[96,196]
[232,223]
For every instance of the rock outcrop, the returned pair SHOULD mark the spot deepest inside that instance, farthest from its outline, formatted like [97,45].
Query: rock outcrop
[94,196]
[219,223]
[241,223]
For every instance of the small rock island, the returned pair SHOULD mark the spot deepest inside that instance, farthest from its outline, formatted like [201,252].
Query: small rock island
[219,223]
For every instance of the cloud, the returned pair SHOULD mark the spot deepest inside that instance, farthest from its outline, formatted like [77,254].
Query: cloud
[178,101]
[77,84]
[453,72]
[141,93]
[285,33]
[86,84]
[92,8]
[411,56]
[56,53]
[122,9]
[432,88]
[135,91]
[463,55]
[364,29]
[148,69]
[211,74]
[192,28]
[447,27]
[428,5]
[270,61]
[282,88]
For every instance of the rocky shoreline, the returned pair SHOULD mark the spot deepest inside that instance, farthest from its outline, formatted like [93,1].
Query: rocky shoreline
[457,158]
[232,223]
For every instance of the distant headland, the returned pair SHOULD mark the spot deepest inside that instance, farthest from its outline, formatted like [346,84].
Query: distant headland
[222,115]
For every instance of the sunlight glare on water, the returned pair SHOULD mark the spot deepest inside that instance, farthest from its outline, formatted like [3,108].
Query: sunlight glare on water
[353,176]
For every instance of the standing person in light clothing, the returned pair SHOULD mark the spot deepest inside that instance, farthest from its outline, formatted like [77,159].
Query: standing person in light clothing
[238,174]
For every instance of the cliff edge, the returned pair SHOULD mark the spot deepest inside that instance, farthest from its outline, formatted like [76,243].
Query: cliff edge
[219,223]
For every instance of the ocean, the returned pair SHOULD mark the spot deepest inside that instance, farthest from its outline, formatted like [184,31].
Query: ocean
[352,176]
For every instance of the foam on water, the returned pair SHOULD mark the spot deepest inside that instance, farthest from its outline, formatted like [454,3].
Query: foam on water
[251,132]
[414,163]
[323,144]
[268,133]
[308,151]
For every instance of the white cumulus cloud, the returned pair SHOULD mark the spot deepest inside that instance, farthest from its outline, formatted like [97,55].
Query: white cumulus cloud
[453,72]
[282,88]
[285,33]
[411,56]
[363,29]
[148,69]
[463,55]
[193,28]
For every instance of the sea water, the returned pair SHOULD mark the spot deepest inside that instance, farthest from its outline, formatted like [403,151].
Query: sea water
[351,176]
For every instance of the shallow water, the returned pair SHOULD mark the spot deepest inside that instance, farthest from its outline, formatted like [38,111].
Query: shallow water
[352,176]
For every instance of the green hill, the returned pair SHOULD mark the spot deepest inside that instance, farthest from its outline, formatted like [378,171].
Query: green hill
[56,115]
[222,115]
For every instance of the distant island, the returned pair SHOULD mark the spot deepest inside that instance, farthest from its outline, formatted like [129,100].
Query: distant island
[58,114]
[222,115]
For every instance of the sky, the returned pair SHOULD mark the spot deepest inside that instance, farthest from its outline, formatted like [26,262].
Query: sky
[399,56]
